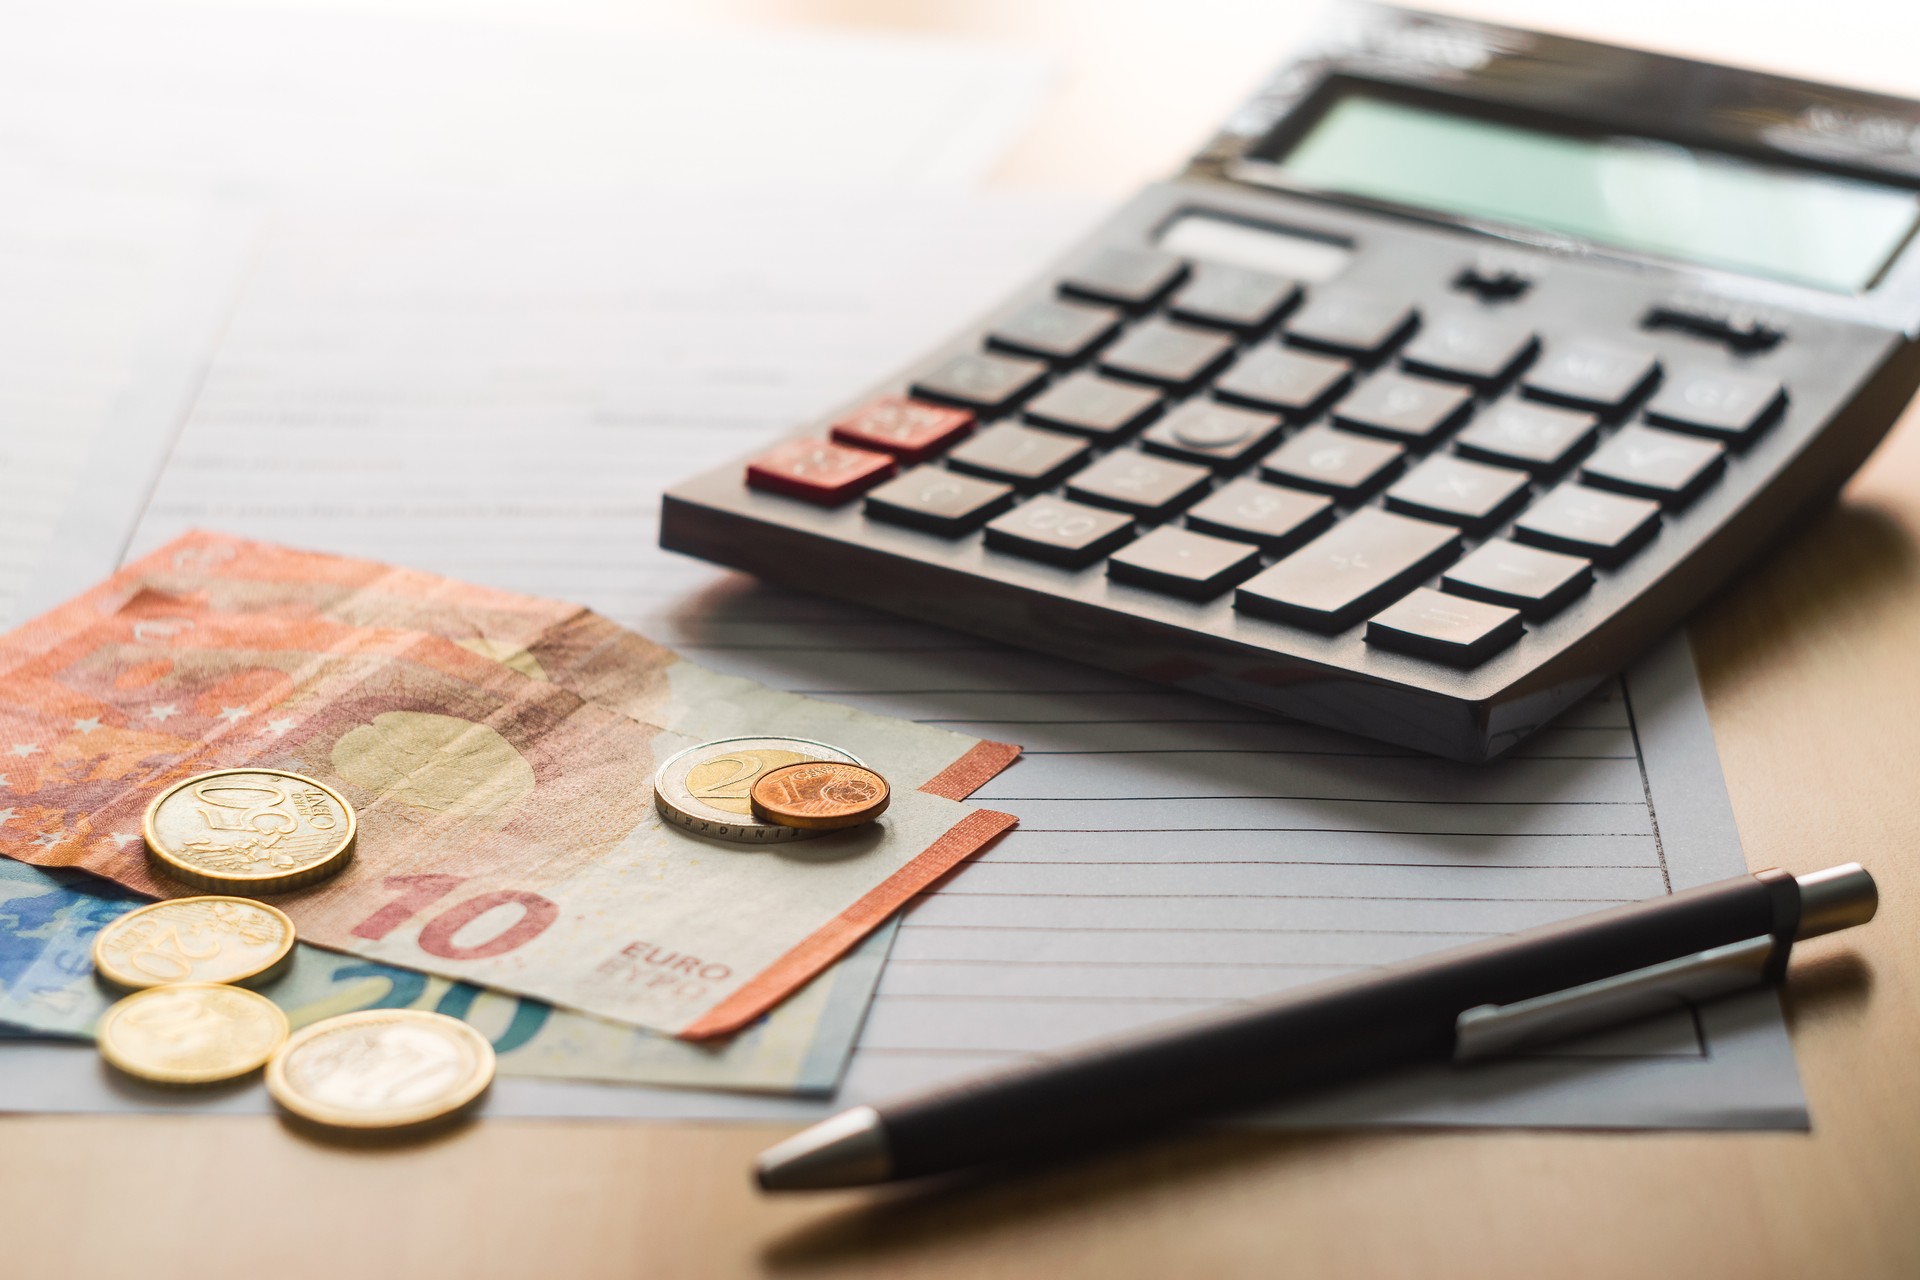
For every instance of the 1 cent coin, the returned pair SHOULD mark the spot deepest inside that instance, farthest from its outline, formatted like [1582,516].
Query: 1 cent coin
[257,830]
[381,1069]
[821,795]
[191,1033]
[708,789]
[212,939]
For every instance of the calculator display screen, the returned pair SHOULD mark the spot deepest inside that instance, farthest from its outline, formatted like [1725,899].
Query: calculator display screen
[1659,198]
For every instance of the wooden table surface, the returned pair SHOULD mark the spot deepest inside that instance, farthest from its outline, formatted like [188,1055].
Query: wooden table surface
[1812,671]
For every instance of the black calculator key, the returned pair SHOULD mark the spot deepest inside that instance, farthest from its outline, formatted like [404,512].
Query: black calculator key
[981,381]
[1183,563]
[1233,297]
[1131,278]
[1218,435]
[1604,527]
[1167,355]
[1290,382]
[1483,351]
[907,429]
[1059,532]
[1535,582]
[1435,625]
[939,501]
[1729,406]
[1055,330]
[1400,407]
[1348,322]
[1090,405]
[1592,375]
[1024,457]
[1349,571]
[1535,436]
[1472,495]
[1335,462]
[1652,463]
[1139,483]
[1274,518]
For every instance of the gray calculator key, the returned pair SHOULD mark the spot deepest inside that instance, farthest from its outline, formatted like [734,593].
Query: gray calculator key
[1733,407]
[1090,405]
[981,381]
[1604,527]
[1537,583]
[1483,351]
[1183,563]
[1349,571]
[1059,532]
[1024,457]
[1055,330]
[1167,355]
[1232,297]
[1215,434]
[1592,375]
[1290,382]
[1652,463]
[1131,278]
[1267,515]
[1335,462]
[1535,436]
[1400,407]
[1139,483]
[1351,322]
[1452,490]
[1435,625]
[939,501]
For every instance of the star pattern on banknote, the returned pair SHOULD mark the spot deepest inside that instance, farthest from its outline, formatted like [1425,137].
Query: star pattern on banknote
[86,726]
[163,711]
[279,725]
[24,749]
[6,816]
[233,715]
[124,838]
[48,839]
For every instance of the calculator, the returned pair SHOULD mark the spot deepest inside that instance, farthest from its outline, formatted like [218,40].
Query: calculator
[1454,370]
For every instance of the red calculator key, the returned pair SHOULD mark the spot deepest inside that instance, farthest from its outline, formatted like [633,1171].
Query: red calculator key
[910,430]
[829,474]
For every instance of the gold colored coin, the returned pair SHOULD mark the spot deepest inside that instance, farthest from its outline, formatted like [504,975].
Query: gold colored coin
[191,1033]
[260,830]
[212,939]
[381,1069]
[820,795]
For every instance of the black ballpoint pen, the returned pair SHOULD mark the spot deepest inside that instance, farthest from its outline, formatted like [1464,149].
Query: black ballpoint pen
[1463,1004]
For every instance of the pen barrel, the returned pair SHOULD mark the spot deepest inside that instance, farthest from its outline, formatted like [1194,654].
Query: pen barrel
[1315,1036]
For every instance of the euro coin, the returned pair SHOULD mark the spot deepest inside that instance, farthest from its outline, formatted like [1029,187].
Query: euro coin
[256,830]
[381,1069]
[212,939]
[708,789]
[821,795]
[191,1033]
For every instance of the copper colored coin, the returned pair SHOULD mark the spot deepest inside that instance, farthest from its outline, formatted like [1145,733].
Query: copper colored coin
[820,795]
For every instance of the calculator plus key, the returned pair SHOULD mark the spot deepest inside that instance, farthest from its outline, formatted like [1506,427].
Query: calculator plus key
[818,471]
[1535,436]
[1592,375]
[1733,407]
[1059,532]
[1149,487]
[1348,322]
[1482,351]
[1167,355]
[907,429]
[1333,462]
[1215,434]
[1130,278]
[1472,495]
[1604,527]
[1232,297]
[1055,330]
[1183,563]
[1024,457]
[1267,515]
[1538,583]
[939,501]
[1399,407]
[1290,382]
[1435,625]
[1349,571]
[1652,463]
[1090,405]
[981,381]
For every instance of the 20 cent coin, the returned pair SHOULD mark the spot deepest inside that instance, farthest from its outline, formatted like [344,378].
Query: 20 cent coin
[260,830]
[820,795]
[708,789]
[211,939]
[191,1033]
[381,1069]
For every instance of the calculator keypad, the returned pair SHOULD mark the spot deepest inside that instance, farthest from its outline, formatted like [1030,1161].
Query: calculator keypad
[1057,331]
[1090,405]
[1538,583]
[939,501]
[1290,382]
[1455,491]
[1399,407]
[1348,322]
[1433,624]
[1270,516]
[1233,297]
[907,429]
[1592,375]
[1333,462]
[1535,437]
[1148,487]
[981,381]
[1183,562]
[1130,278]
[1217,435]
[1166,355]
[1025,457]
[1059,532]
[1604,527]
[1663,465]
[1733,407]
[1349,571]
[1478,350]
[818,471]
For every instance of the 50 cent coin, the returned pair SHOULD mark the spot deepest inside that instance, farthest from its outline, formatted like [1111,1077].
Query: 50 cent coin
[261,830]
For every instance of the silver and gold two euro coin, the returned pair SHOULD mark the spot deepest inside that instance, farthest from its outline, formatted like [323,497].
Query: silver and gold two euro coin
[708,789]
[250,830]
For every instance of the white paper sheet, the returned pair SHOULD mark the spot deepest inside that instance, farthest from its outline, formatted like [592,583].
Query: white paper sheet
[503,400]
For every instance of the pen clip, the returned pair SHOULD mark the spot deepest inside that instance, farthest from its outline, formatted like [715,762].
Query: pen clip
[1487,1030]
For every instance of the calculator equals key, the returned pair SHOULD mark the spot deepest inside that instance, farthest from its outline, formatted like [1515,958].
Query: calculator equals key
[1377,445]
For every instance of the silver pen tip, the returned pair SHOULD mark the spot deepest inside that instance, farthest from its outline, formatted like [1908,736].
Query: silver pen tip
[848,1150]
[1835,899]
